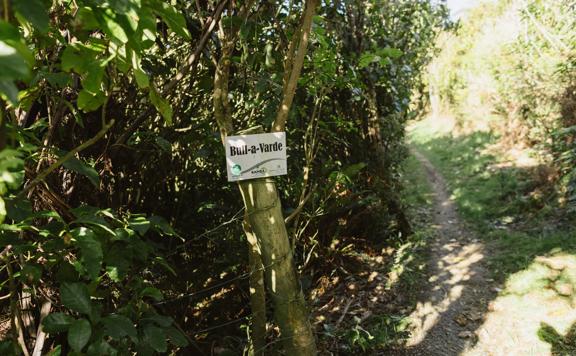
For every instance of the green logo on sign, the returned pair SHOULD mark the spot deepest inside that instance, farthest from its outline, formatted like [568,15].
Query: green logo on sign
[236,169]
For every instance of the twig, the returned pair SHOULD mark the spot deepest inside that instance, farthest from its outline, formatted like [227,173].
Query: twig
[40,177]
[297,211]
[191,62]
[344,312]
[41,335]
[16,318]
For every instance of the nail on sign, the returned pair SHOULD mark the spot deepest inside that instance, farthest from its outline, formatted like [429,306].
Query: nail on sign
[256,156]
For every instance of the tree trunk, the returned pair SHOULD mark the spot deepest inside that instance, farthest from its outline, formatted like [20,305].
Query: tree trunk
[257,292]
[265,216]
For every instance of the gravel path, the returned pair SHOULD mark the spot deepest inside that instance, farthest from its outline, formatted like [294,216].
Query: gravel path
[454,299]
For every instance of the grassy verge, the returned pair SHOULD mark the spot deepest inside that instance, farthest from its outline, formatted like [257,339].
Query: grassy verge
[533,253]
[495,200]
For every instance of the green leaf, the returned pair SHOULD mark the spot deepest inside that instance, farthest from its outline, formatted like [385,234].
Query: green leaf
[173,18]
[152,292]
[2,210]
[79,334]
[161,224]
[177,337]
[95,221]
[11,36]
[56,351]
[87,18]
[366,59]
[352,170]
[89,102]
[160,320]
[92,81]
[162,262]
[13,65]
[162,105]
[91,249]
[9,347]
[118,326]
[113,28]
[80,167]
[34,12]
[117,262]
[390,52]
[57,322]
[141,77]
[75,296]
[156,337]
[9,92]
[139,224]
[101,348]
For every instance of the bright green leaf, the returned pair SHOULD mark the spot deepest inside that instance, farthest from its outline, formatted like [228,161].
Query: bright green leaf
[2,210]
[76,297]
[56,351]
[57,322]
[161,105]
[92,81]
[139,224]
[34,12]
[11,36]
[79,334]
[113,28]
[89,101]
[13,65]
[141,77]
[390,52]
[173,18]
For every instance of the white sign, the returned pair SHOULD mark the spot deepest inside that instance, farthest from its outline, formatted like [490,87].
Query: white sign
[256,156]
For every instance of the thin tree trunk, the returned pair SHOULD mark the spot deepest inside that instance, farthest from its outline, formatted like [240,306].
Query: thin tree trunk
[265,216]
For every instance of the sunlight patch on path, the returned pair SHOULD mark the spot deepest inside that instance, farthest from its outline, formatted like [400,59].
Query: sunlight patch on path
[542,293]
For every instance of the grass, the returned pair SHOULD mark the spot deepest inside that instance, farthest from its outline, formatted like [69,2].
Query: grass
[493,200]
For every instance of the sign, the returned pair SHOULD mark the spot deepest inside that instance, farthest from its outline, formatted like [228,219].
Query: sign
[256,156]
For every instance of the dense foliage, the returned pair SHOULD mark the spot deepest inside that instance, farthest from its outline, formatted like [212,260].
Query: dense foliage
[107,123]
[512,63]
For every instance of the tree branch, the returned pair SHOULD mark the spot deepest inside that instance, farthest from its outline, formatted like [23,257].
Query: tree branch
[40,177]
[296,67]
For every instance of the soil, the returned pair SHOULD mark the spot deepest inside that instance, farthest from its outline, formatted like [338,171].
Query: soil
[456,294]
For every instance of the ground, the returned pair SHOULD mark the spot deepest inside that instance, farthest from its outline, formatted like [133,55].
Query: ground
[501,270]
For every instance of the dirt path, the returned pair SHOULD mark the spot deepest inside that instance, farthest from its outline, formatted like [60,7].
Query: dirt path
[455,297]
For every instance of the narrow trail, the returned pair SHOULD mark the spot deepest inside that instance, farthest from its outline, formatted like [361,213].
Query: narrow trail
[454,298]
